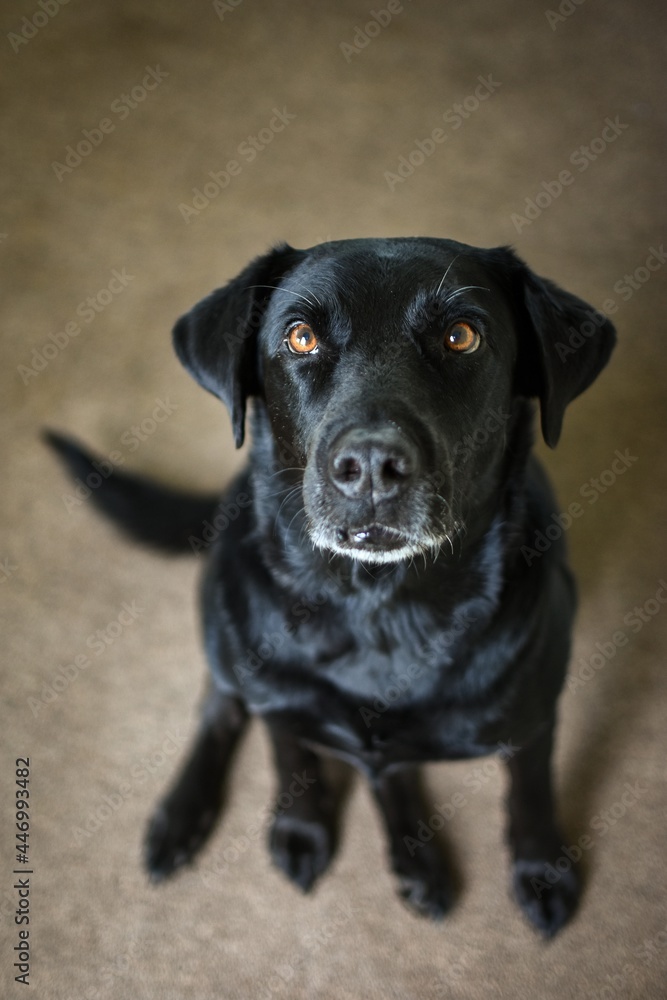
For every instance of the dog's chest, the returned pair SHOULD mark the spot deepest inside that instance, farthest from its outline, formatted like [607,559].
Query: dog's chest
[377,682]
[376,707]
[373,677]
[399,658]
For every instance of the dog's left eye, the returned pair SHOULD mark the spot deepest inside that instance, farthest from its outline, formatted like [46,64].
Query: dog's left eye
[462,338]
[301,339]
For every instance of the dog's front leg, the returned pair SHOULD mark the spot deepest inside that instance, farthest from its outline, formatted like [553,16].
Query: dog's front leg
[535,840]
[186,817]
[424,880]
[302,836]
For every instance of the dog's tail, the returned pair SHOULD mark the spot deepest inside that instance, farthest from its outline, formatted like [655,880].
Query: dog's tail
[146,511]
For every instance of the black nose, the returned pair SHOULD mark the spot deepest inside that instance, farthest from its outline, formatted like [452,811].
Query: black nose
[380,462]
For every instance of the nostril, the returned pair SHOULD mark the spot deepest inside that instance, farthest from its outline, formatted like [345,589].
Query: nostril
[346,469]
[377,463]
[396,467]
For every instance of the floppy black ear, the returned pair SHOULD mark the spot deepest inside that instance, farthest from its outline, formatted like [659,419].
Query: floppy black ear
[566,344]
[217,340]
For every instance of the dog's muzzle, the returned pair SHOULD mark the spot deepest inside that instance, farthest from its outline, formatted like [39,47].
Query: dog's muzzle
[376,464]
[370,493]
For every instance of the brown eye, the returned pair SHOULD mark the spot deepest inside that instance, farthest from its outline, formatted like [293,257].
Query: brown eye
[301,339]
[462,338]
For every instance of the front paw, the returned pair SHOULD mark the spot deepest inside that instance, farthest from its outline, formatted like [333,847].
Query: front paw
[424,883]
[301,848]
[547,895]
[174,837]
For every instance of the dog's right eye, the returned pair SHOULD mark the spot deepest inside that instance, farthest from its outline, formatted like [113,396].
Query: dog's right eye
[301,340]
[462,338]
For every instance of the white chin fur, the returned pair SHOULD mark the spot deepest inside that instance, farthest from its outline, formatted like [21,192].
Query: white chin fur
[374,555]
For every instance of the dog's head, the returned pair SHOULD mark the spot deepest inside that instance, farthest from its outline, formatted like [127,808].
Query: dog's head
[389,370]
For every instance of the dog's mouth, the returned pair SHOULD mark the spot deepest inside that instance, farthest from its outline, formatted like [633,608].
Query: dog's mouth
[371,543]
[367,495]
[373,537]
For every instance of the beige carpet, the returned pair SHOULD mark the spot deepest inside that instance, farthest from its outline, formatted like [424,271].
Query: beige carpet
[99,258]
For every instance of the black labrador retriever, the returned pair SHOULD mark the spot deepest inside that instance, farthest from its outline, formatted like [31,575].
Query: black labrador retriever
[374,591]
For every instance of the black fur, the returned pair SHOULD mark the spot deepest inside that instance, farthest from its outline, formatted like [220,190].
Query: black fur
[145,511]
[372,599]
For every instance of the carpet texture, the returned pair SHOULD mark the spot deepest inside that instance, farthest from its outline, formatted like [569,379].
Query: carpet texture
[487,123]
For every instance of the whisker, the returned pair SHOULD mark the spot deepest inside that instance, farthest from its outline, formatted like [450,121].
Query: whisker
[311,292]
[442,280]
[466,288]
[277,288]
[295,468]
[301,510]
[287,499]
[277,493]
[304,536]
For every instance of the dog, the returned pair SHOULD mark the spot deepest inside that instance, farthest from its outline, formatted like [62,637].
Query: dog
[373,592]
